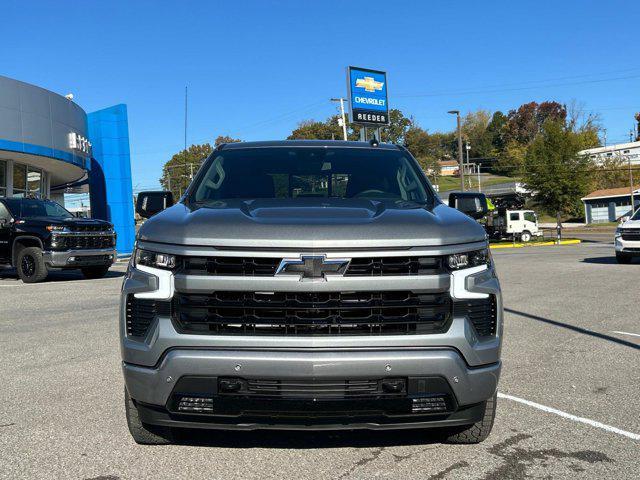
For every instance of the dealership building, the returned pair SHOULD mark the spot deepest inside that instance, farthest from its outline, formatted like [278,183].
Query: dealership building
[50,146]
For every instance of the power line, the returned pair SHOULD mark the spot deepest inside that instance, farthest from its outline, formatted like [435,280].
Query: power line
[500,90]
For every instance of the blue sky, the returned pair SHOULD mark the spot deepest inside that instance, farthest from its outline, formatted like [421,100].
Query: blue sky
[256,68]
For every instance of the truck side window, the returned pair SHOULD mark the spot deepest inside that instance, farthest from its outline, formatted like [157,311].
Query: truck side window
[514,216]
[530,217]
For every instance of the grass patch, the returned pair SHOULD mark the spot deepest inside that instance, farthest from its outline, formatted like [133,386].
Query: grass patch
[446,184]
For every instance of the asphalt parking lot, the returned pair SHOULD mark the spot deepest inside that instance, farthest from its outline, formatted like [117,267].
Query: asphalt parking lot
[569,408]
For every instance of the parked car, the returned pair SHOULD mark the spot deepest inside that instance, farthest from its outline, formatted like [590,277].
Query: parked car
[627,239]
[311,285]
[521,224]
[37,235]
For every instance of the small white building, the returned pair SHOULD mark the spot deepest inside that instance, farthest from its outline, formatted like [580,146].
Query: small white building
[625,151]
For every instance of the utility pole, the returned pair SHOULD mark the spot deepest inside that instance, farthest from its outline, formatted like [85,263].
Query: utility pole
[344,118]
[185,118]
[633,205]
[460,160]
[478,170]
[467,147]
[604,132]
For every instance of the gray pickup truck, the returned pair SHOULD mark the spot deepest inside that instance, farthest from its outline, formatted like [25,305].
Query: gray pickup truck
[311,285]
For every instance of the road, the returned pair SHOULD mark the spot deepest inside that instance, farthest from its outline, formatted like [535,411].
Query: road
[571,316]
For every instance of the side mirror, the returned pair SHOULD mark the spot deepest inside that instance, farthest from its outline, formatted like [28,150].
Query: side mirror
[472,203]
[150,203]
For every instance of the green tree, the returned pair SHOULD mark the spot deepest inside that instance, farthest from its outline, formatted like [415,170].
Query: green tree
[398,127]
[554,171]
[177,172]
[225,139]
[612,172]
[330,129]
[474,131]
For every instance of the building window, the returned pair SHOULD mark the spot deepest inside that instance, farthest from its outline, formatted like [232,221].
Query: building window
[27,181]
[3,178]
[34,182]
[19,180]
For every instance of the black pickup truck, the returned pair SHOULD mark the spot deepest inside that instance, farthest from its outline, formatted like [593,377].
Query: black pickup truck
[37,235]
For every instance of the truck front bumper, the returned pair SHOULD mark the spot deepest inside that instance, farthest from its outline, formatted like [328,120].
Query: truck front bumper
[80,258]
[156,389]
[631,247]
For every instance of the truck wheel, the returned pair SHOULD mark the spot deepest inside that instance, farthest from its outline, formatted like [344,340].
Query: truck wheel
[142,433]
[30,265]
[479,431]
[525,236]
[623,258]
[95,272]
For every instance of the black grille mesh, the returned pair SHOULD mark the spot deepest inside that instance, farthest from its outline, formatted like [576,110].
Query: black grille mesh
[141,312]
[632,234]
[336,313]
[81,242]
[359,266]
[482,312]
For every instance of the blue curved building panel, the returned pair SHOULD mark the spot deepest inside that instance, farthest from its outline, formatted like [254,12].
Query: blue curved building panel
[109,134]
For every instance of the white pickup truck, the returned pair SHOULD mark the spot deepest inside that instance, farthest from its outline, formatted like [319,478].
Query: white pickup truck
[521,224]
[627,239]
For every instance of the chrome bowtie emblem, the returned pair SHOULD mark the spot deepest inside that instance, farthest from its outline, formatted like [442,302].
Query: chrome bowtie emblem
[312,267]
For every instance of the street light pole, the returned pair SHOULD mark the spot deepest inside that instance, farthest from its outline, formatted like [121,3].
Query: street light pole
[460,160]
[344,119]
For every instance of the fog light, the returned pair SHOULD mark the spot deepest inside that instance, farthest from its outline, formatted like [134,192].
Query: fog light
[429,405]
[71,259]
[196,405]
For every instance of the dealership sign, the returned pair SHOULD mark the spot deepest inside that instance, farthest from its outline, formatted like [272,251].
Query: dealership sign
[368,96]
[79,143]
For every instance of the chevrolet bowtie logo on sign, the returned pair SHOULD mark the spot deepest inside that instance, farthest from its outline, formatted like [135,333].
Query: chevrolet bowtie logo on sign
[369,84]
[312,267]
[368,96]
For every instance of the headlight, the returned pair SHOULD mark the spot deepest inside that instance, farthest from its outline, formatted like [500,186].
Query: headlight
[154,259]
[618,233]
[475,258]
[55,228]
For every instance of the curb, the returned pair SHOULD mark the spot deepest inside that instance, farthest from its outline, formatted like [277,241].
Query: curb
[573,241]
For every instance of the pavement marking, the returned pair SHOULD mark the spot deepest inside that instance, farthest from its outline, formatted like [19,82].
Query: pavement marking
[593,423]
[626,333]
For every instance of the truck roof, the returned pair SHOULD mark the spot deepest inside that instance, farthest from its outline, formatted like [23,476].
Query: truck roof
[309,143]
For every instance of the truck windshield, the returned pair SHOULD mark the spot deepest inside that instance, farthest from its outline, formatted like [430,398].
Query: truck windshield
[636,216]
[307,172]
[31,207]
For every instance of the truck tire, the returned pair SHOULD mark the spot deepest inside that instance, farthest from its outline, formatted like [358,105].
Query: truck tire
[623,258]
[30,265]
[95,272]
[525,236]
[142,433]
[480,430]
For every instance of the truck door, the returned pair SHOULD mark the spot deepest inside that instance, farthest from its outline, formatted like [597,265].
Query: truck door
[514,224]
[531,222]
[5,233]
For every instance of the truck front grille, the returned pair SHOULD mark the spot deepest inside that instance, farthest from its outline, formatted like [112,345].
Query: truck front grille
[482,312]
[632,234]
[266,267]
[336,313]
[82,242]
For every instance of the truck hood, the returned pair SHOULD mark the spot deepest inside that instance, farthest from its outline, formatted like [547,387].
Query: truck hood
[71,222]
[311,223]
